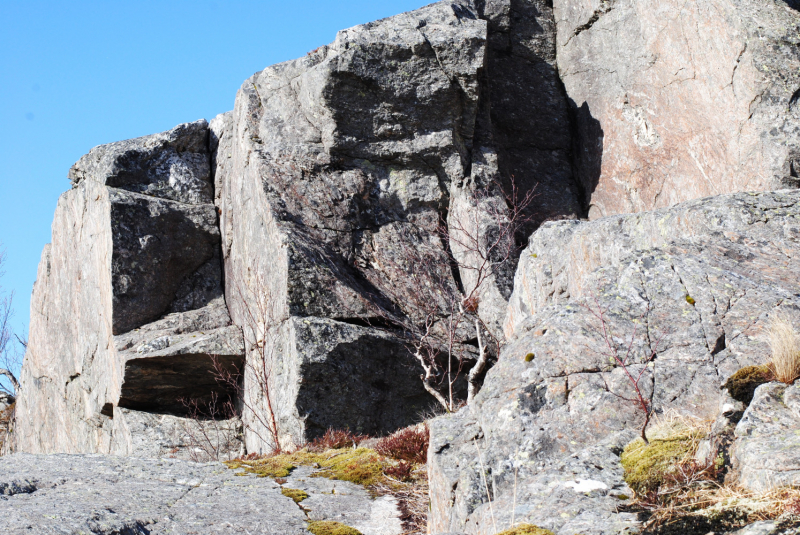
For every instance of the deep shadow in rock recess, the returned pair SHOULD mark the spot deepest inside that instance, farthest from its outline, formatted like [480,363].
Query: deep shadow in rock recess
[165,385]
[587,139]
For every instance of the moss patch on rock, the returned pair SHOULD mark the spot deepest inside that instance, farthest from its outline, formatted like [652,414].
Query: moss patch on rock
[526,529]
[646,465]
[329,527]
[296,494]
[742,384]
[362,466]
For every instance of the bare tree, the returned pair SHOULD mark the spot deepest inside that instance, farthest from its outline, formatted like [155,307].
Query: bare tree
[250,386]
[434,283]
[623,356]
[11,351]
[211,430]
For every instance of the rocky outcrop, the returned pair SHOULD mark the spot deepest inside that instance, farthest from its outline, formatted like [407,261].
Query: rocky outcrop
[766,452]
[674,101]
[336,170]
[693,286]
[111,495]
[333,178]
[128,307]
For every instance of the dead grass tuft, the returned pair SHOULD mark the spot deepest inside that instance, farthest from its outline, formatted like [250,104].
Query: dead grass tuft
[785,345]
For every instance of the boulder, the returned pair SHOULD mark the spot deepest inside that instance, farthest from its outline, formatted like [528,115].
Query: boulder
[675,101]
[766,452]
[128,307]
[336,171]
[683,294]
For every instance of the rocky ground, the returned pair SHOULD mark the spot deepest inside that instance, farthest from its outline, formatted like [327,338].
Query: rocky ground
[104,495]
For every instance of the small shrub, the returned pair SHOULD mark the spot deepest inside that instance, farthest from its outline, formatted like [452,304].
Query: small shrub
[329,527]
[742,384]
[785,345]
[335,439]
[526,529]
[402,471]
[647,466]
[296,494]
[409,444]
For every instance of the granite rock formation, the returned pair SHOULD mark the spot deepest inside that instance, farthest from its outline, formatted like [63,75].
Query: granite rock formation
[128,308]
[333,167]
[674,101]
[694,285]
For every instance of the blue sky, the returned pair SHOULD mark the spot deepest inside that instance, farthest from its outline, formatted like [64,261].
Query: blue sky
[77,74]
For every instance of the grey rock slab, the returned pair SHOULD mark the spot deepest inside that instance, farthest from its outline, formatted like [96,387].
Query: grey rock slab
[113,495]
[693,286]
[345,502]
[766,452]
[329,374]
[674,101]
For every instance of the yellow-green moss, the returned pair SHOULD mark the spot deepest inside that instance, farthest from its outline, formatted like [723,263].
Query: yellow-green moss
[742,384]
[690,300]
[529,357]
[329,527]
[296,494]
[362,466]
[526,529]
[646,465]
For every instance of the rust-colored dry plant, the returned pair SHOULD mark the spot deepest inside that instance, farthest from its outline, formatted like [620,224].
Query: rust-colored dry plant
[784,342]
[334,439]
[409,444]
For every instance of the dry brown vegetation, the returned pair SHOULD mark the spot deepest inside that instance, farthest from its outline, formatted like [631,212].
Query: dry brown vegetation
[683,495]
[784,342]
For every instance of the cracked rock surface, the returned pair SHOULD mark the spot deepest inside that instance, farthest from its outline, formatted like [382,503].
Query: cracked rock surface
[766,452]
[107,495]
[693,285]
[677,100]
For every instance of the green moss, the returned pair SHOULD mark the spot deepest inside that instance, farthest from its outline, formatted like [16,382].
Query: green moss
[529,357]
[646,465]
[362,466]
[296,494]
[526,529]
[329,527]
[690,300]
[742,384]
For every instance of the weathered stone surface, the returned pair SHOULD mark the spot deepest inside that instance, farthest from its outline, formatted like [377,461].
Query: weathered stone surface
[333,167]
[122,257]
[766,452]
[694,285]
[675,101]
[164,436]
[112,495]
[172,165]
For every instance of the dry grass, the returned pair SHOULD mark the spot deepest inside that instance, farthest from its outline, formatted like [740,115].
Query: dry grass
[689,494]
[784,342]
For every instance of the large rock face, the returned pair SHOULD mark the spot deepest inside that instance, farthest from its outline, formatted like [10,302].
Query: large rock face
[693,285]
[333,167]
[676,100]
[128,307]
